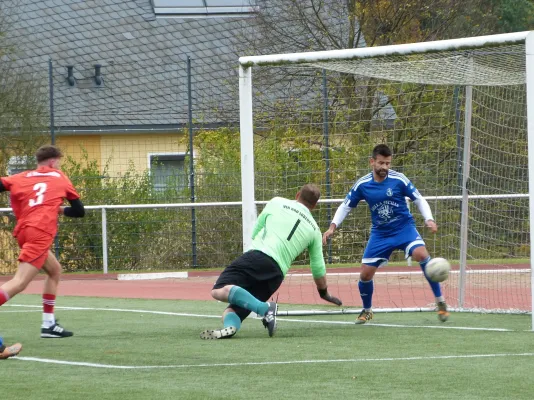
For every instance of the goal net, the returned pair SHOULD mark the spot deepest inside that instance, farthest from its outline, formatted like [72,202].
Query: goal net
[455,115]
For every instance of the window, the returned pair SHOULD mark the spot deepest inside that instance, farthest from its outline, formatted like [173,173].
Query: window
[17,164]
[203,8]
[167,171]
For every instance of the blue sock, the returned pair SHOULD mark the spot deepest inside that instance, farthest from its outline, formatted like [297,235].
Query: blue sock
[436,288]
[366,293]
[242,298]
[232,319]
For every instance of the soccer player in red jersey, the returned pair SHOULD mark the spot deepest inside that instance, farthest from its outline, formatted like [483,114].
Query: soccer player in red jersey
[36,198]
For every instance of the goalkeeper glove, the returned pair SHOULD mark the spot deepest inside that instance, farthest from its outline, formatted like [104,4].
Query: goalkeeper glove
[326,296]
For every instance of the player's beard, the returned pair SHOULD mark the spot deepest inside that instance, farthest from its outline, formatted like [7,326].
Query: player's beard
[381,172]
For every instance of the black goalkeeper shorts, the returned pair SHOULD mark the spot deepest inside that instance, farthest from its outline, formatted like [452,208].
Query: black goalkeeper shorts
[255,272]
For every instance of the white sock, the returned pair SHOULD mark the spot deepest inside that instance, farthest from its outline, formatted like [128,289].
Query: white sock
[440,299]
[48,320]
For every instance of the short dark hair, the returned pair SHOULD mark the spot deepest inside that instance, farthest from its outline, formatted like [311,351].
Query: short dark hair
[383,150]
[309,194]
[47,152]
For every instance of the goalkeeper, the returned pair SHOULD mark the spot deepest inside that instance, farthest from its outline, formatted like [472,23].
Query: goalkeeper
[284,229]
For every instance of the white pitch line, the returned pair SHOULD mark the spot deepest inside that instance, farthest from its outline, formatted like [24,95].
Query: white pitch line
[330,322]
[382,273]
[463,328]
[18,311]
[121,310]
[152,276]
[264,363]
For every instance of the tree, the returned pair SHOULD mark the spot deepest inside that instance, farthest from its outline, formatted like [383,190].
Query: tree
[22,120]
[360,103]
[283,26]
[485,17]
[23,101]
[386,22]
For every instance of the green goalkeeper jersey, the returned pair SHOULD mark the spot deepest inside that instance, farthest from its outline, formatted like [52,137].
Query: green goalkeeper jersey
[284,229]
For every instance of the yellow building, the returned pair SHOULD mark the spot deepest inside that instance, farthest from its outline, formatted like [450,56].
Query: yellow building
[162,154]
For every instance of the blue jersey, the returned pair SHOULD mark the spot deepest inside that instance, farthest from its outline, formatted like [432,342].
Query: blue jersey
[386,200]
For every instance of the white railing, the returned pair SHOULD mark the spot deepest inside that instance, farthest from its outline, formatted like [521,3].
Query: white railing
[103,209]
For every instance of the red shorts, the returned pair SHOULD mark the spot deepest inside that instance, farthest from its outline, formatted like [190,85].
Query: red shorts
[34,245]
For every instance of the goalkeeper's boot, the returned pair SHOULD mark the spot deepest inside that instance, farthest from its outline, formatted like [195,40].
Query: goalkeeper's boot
[55,331]
[269,320]
[364,317]
[223,333]
[443,314]
[10,351]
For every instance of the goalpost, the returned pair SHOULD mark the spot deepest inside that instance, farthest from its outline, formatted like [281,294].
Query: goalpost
[459,116]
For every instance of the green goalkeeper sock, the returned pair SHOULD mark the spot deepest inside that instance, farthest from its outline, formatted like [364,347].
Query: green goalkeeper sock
[242,298]
[232,319]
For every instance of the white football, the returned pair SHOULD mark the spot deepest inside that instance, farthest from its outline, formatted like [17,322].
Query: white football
[437,269]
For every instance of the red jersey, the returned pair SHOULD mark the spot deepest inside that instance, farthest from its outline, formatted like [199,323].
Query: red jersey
[36,197]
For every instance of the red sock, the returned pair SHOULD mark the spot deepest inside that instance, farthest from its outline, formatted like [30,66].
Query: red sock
[49,301]
[4,297]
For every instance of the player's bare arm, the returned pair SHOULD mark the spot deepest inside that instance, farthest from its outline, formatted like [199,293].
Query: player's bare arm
[426,212]
[322,288]
[342,211]
[431,224]
[329,233]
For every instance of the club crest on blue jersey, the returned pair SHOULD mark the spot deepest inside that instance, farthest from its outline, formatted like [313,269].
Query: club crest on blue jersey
[385,212]
[389,192]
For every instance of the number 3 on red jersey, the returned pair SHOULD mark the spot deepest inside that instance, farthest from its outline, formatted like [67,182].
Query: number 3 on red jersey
[40,189]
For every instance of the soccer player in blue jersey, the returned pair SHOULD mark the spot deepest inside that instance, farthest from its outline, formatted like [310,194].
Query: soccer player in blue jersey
[393,226]
[9,351]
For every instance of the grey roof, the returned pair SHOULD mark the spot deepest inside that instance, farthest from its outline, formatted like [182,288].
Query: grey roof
[143,60]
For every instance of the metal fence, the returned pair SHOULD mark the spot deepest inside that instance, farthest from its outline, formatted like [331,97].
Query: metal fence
[129,142]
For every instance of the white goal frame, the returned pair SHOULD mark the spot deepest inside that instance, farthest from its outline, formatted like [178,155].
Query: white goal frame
[249,212]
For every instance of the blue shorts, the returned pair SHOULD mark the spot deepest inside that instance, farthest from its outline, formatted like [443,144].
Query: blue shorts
[380,246]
